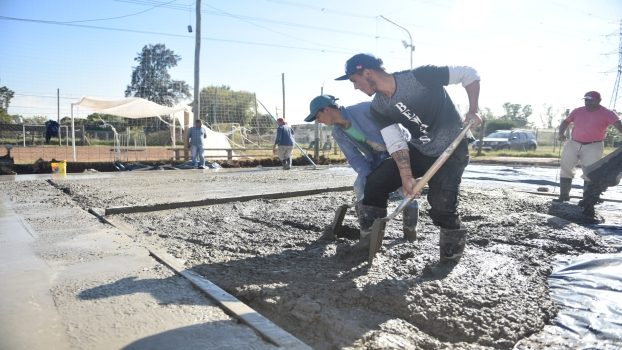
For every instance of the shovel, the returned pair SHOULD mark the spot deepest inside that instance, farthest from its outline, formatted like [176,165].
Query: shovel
[336,226]
[379,225]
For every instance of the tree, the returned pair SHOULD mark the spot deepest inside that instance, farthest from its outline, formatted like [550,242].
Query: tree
[119,123]
[499,124]
[517,113]
[5,99]
[223,105]
[151,80]
[36,120]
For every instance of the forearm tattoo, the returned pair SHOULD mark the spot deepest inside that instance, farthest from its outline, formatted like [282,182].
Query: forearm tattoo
[402,159]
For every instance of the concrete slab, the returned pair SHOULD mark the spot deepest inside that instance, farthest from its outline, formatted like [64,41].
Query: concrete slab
[77,284]
[29,317]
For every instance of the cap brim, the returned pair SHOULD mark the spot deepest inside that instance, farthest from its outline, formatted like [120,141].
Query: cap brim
[310,118]
[343,77]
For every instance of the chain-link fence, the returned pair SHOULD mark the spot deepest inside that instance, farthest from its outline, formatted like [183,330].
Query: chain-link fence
[250,130]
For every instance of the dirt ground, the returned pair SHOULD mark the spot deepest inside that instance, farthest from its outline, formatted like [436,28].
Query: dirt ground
[270,254]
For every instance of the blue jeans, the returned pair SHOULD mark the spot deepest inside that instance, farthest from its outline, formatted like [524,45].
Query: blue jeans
[197,155]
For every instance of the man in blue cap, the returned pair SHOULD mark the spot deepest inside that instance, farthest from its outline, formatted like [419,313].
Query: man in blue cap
[418,100]
[359,138]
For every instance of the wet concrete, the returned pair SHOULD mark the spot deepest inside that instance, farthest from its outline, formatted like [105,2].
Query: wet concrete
[269,254]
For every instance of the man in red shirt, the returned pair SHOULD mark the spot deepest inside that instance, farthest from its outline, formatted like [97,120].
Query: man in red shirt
[586,142]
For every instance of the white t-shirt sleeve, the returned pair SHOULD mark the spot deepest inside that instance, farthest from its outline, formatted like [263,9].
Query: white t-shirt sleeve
[462,74]
[395,137]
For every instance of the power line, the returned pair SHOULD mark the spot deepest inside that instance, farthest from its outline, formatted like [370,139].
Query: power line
[245,42]
[520,22]
[269,29]
[222,13]
[123,16]
[46,96]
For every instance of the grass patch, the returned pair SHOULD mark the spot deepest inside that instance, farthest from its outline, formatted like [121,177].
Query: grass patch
[541,152]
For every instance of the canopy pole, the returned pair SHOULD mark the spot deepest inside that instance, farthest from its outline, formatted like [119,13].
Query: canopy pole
[73,135]
[173,135]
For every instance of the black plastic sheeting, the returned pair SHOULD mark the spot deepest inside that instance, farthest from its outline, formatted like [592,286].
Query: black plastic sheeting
[588,290]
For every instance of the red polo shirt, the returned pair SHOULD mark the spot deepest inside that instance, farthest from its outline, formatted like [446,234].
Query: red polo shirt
[591,126]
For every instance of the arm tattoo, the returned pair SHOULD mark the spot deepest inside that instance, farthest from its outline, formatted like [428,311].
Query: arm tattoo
[402,159]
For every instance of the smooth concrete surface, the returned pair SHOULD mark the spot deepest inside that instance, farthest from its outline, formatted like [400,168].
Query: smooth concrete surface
[68,281]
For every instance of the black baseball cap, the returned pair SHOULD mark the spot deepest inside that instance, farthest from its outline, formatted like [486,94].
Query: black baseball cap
[360,61]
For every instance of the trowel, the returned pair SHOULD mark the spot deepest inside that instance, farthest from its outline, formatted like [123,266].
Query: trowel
[379,225]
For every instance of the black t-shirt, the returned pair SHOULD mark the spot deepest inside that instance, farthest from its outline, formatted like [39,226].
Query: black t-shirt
[421,104]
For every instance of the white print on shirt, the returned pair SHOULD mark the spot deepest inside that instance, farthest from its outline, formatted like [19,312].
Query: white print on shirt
[423,128]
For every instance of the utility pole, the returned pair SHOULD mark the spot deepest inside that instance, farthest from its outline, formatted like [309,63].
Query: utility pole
[616,85]
[196,106]
[60,140]
[283,86]
[406,45]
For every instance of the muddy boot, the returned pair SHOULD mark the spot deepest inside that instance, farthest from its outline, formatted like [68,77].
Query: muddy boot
[564,189]
[410,216]
[288,163]
[367,214]
[451,243]
[283,164]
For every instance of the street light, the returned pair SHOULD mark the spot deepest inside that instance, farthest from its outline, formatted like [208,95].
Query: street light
[406,45]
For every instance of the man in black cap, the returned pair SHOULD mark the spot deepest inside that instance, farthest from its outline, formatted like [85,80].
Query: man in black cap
[418,100]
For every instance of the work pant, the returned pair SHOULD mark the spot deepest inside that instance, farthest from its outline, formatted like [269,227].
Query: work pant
[574,152]
[284,152]
[443,187]
[197,155]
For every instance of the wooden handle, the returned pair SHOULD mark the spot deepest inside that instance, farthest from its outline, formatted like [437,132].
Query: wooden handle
[422,181]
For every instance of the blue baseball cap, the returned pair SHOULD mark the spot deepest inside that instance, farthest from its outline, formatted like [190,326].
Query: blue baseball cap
[360,61]
[318,103]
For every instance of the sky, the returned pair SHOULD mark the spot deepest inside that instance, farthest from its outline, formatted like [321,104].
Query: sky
[537,52]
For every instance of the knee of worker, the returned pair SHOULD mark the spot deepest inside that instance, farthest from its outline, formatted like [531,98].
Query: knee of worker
[444,208]
[566,172]
[375,198]
[359,187]
[375,193]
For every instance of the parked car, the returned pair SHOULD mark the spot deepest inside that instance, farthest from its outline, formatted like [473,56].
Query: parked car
[520,140]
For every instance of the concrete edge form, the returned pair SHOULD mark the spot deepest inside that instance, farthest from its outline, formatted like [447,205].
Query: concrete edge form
[214,201]
[230,304]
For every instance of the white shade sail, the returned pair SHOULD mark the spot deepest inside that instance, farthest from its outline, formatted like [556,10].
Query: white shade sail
[131,107]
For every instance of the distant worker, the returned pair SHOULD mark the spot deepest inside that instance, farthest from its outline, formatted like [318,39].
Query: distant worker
[51,130]
[360,140]
[196,135]
[586,142]
[285,143]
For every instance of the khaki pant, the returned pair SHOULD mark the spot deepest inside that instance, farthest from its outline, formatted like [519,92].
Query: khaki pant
[284,152]
[574,152]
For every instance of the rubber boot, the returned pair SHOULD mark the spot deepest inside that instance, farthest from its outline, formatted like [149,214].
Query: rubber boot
[283,163]
[564,189]
[366,216]
[451,244]
[591,195]
[288,164]
[410,216]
